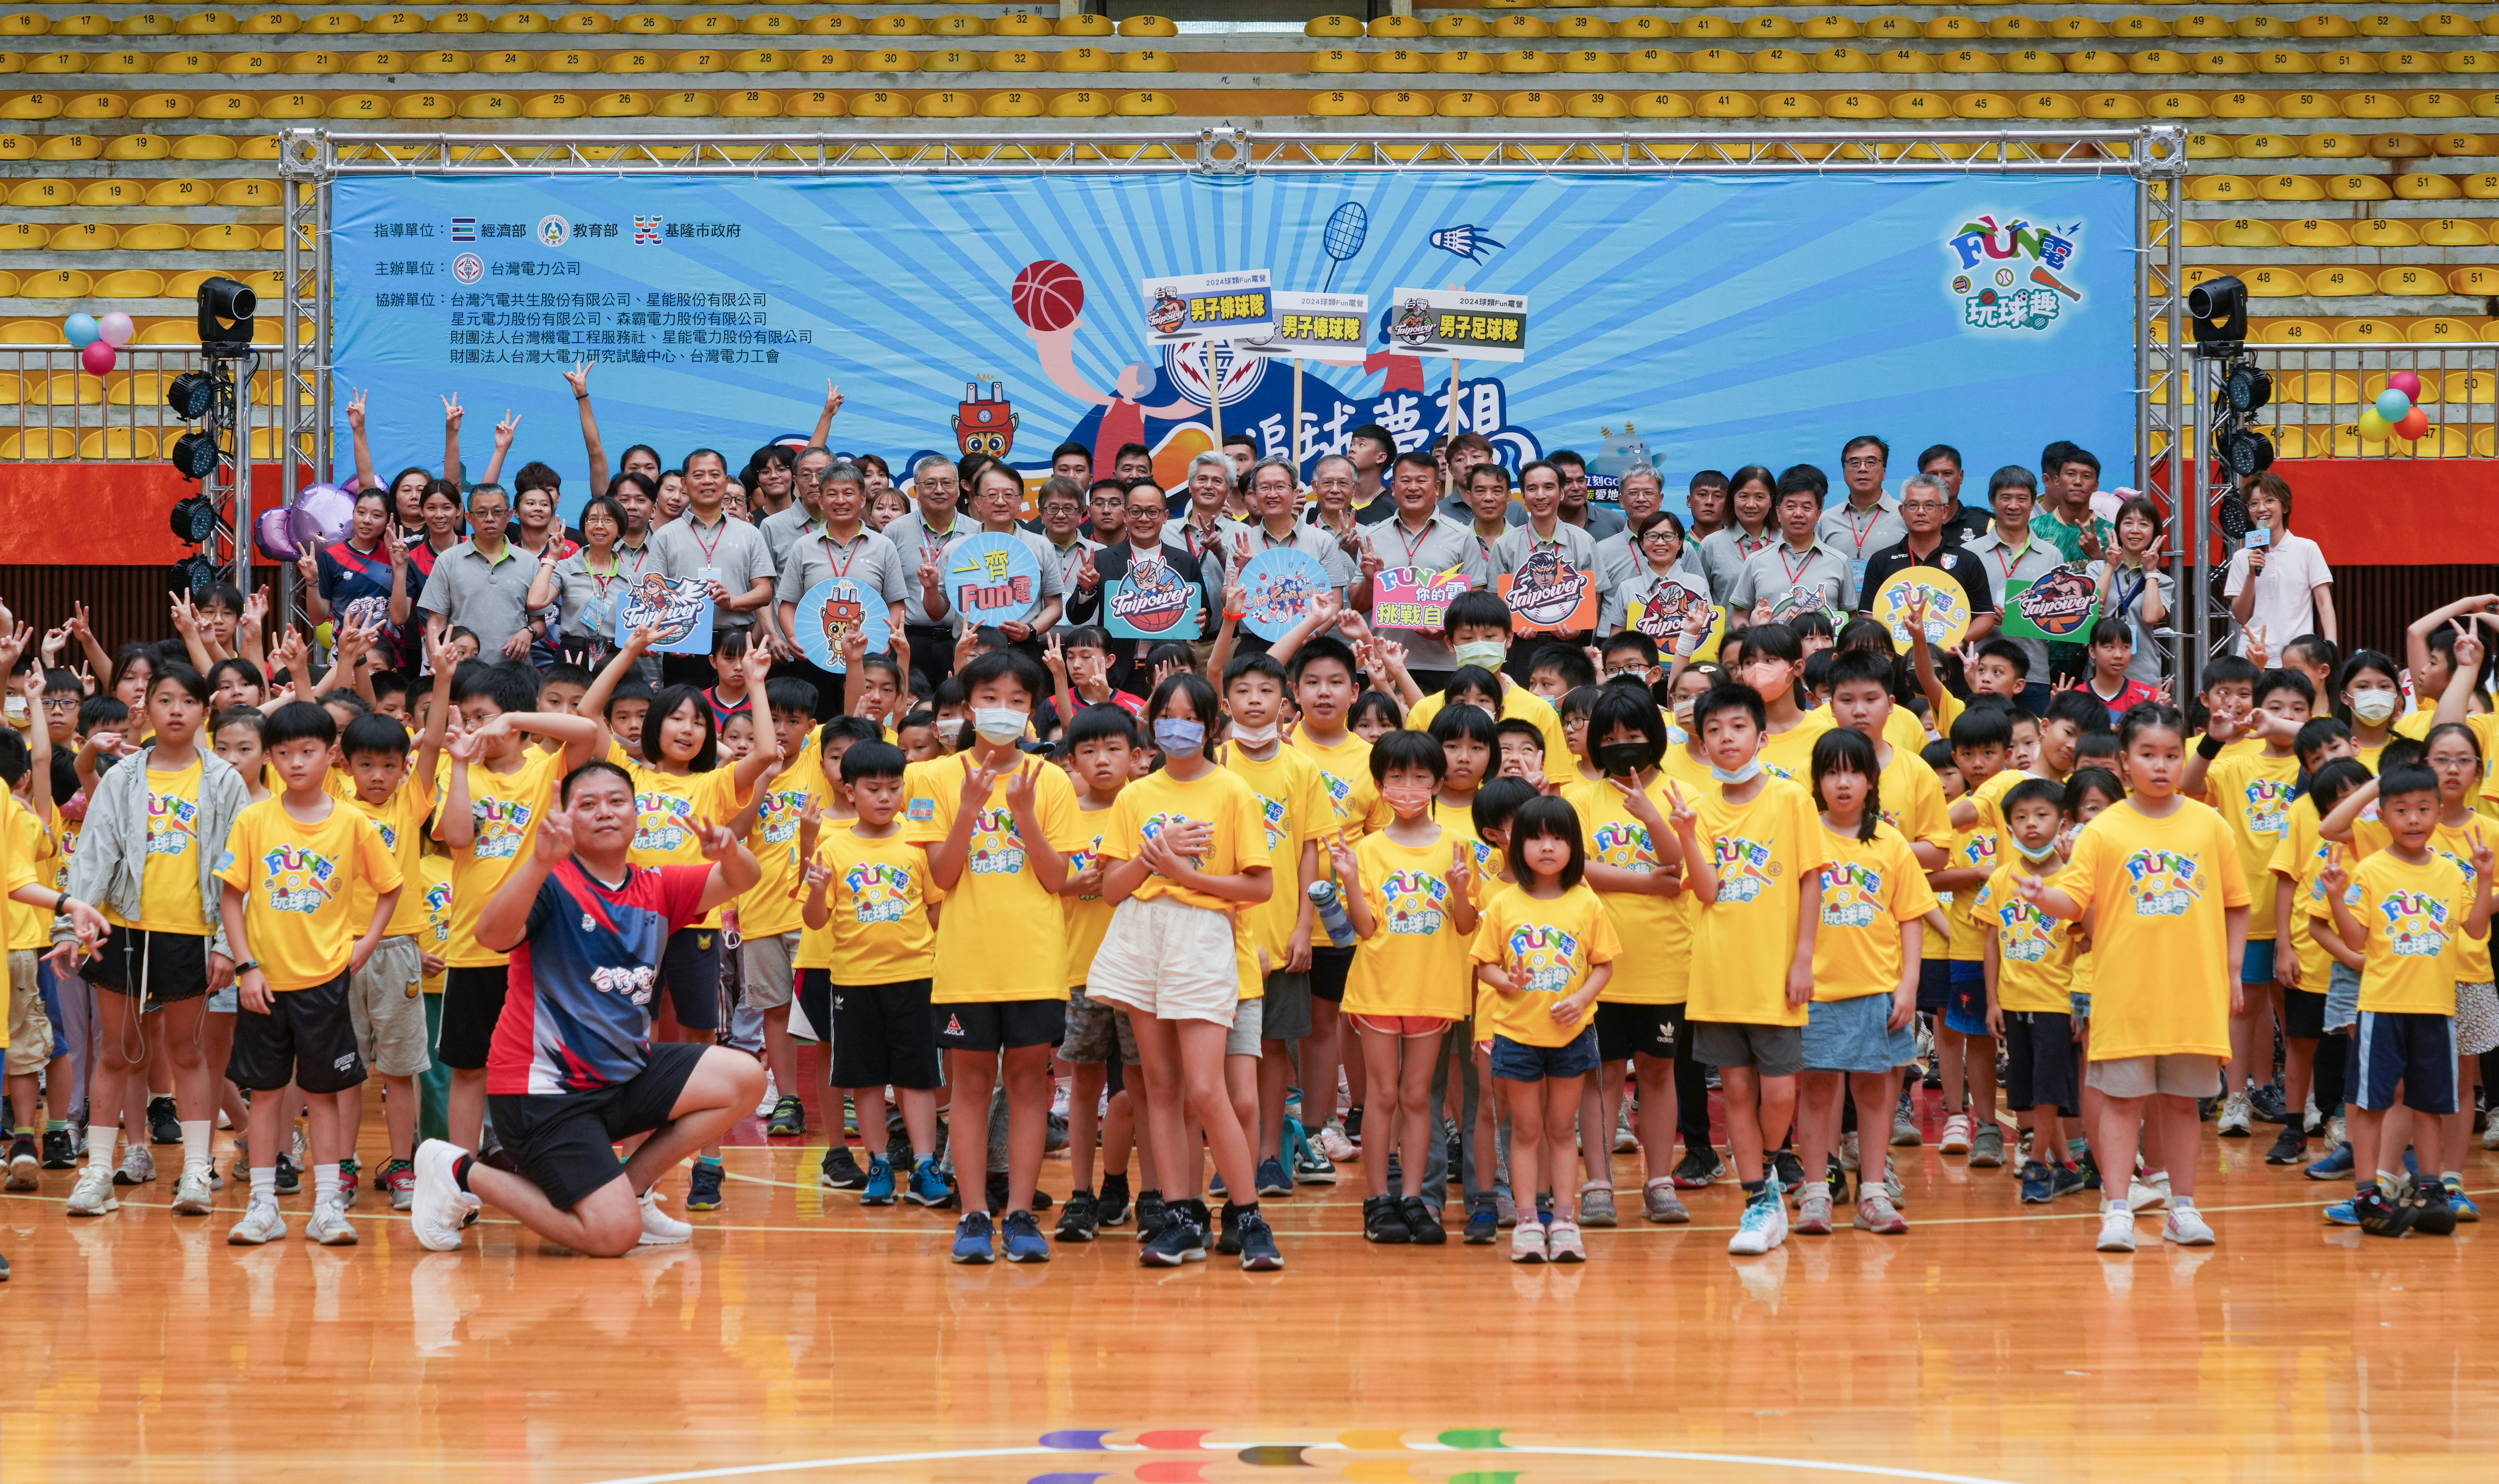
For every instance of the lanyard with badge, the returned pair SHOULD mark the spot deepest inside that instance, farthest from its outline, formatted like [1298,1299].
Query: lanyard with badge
[710,572]
[849,554]
[1857,563]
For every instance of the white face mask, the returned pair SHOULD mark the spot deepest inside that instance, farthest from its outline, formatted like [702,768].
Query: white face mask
[951,729]
[1488,654]
[1255,736]
[1751,770]
[2372,708]
[998,725]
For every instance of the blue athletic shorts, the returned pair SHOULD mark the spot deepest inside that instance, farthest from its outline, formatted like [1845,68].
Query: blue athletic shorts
[1965,1010]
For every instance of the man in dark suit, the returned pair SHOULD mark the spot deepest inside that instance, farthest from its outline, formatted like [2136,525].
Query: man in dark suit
[1143,543]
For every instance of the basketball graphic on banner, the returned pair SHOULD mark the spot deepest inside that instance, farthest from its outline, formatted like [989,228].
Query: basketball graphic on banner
[1280,586]
[1047,295]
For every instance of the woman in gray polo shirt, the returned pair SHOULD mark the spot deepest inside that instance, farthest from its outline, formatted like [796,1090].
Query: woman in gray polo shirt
[586,585]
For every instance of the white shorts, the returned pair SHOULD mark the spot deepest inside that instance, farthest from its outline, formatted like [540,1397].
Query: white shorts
[2172,1074]
[1168,960]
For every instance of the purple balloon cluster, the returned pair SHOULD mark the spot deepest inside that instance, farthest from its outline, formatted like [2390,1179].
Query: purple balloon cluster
[321,514]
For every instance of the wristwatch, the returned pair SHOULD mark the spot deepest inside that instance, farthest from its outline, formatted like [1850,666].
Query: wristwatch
[245,967]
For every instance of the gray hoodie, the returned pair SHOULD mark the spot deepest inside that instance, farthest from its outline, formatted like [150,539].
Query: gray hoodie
[113,845]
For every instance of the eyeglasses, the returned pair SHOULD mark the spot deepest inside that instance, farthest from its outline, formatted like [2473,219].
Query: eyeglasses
[1862,461]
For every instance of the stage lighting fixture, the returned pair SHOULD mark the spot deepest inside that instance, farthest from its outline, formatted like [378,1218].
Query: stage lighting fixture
[191,395]
[195,453]
[2231,514]
[2245,452]
[192,574]
[226,310]
[2220,308]
[2248,387]
[195,519]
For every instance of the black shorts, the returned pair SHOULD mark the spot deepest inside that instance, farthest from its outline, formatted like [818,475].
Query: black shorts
[473,1001]
[689,977]
[1935,984]
[1329,965]
[1625,1031]
[2303,1014]
[2043,1063]
[165,967]
[564,1143]
[816,1003]
[880,1036]
[306,1037]
[996,1025]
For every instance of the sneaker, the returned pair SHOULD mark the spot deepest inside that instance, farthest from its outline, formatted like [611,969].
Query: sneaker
[440,1208]
[350,1172]
[1787,1170]
[1453,1158]
[1025,1242]
[1893,1190]
[1626,1139]
[1353,1128]
[2344,1212]
[1905,1129]
[1956,1140]
[879,1190]
[2205,1108]
[2149,1195]
[1483,1227]
[290,1175]
[789,1120]
[2290,1147]
[1527,1242]
[329,1226]
[1333,1143]
[994,1188]
[1562,1243]
[2116,1229]
[972,1238]
[1849,1157]
[1504,1211]
[1311,1167]
[164,1124]
[658,1228]
[1256,1241]
[1110,1210]
[771,1097]
[2236,1116]
[1384,1223]
[703,1190]
[1227,1231]
[2185,1227]
[191,1194]
[92,1196]
[24,1164]
[1661,1204]
[1987,1149]
[2268,1105]
[1876,1213]
[2068,1180]
[2039,1187]
[1080,1220]
[2336,1166]
[58,1153]
[2371,1212]
[841,1170]
[928,1186]
[138,1166]
[1178,1241]
[2462,1204]
[260,1223]
[1152,1210]
[2489,1135]
[1813,1212]
[1700,1168]
[1763,1225]
[1272,1179]
[1595,1204]
[1422,1222]
[2432,1216]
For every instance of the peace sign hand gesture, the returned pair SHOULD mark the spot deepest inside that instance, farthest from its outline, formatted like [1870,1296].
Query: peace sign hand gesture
[2469,648]
[356,411]
[2483,858]
[578,378]
[2334,881]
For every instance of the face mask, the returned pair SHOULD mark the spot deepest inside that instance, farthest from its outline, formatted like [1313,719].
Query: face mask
[1255,736]
[1178,739]
[2372,708]
[1615,759]
[951,730]
[998,725]
[1407,800]
[2041,854]
[1486,654]
[1751,770]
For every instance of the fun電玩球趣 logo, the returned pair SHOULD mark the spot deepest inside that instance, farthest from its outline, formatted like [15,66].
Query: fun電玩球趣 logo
[2016,274]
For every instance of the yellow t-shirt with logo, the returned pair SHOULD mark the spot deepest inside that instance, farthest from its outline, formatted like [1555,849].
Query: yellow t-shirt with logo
[1003,936]
[1345,772]
[1913,799]
[1517,704]
[1869,888]
[2471,955]
[776,904]
[1293,809]
[2413,916]
[30,845]
[2034,953]
[1746,942]
[505,809]
[1547,948]
[168,881]
[1216,798]
[1974,849]
[434,873]
[2299,859]
[1415,961]
[1661,972]
[2253,794]
[2161,887]
[1089,917]
[402,822]
[300,884]
[667,805]
[1789,753]
[879,897]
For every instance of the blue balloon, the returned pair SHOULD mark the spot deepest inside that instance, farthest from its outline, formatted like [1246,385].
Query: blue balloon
[2394,404]
[82,330]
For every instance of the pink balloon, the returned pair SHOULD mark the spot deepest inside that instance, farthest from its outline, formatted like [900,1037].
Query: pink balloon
[98,357]
[116,328]
[2403,381]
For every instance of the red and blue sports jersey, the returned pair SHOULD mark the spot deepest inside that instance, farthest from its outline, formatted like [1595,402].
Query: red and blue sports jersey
[577,1014]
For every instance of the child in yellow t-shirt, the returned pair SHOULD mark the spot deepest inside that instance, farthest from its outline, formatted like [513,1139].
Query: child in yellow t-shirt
[2029,988]
[1545,948]
[1099,742]
[767,915]
[1982,746]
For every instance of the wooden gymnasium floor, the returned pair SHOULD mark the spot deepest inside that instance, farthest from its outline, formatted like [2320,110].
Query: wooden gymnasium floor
[803,1338]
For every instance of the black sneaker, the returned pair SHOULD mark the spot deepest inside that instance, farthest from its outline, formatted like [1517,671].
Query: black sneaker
[2267,1103]
[897,1149]
[2206,1109]
[2380,1216]
[164,1124]
[1835,1178]
[841,1170]
[1933,1078]
[1078,1222]
[789,1120]
[1422,1222]
[1384,1223]
[1256,1244]
[996,1191]
[1228,1232]
[1353,1125]
[1700,1168]
[2432,1213]
[289,1178]
[1152,1210]
[58,1153]
[2290,1147]
[1111,1209]
[1789,1169]
[23,1164]
[1180,1240]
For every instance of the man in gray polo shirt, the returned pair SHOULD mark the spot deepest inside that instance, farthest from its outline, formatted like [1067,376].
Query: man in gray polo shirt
[1539,491]
[729,554]
[1420,537]
[483,584]
[2012,553]
[842,547]
[1797,562]
[922,536]
[784,525]
[1868,520]
[994,502]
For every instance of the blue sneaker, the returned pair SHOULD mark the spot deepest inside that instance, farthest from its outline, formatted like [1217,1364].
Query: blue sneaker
[702,1188]
[2336,1166]
[1272,1179]
[880,1182]
[2465,1210]
[2037,1187]
[1483,1227]
[2068,1180]
[928,1186]
[1024,1241]
[972,1238]
[2343,1214]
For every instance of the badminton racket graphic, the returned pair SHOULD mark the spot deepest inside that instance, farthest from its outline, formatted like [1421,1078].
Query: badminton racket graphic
[1341,239]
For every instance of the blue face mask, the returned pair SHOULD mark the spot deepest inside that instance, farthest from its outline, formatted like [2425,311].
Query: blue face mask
[1177,738]
[1751,770]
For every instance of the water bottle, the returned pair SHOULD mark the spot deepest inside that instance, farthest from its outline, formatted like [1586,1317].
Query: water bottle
[1329,904]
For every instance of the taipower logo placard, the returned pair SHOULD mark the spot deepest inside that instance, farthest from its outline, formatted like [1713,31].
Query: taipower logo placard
[2013,274]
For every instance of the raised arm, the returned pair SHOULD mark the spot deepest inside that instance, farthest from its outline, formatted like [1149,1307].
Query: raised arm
[823,419]
[579,379]
[2416,634]
[603,686]
[366,478]
[452,413]
[505,432]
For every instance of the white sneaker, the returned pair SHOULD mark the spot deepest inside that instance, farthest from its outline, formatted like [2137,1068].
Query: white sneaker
[658,1228]
[260,1223]
[1762,1226]
[2237,1119]
[138,1166]
[92,1196]
[2185,1227]
[1848,1150]
[771,1097]
[442,1208]
[329,1225]
[1955,1139]
[1625,1139]
[2149,1195]
[1562,1243]
[191,1194]
[1527,1242]
[2489,1132]
[1893,1190]
[2116,1229]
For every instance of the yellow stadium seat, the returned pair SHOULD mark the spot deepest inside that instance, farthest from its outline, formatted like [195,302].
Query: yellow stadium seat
[1148,61]
[708,23]
[1782,61]
[24,237]
[1713,28]
[2334,144]
[2271,282]
[1456,63]
[1726,105]
[955,59]
[203,146]
[1398,28]
[1401,105]
[1968,60]
[1983,106]
[1791,105]
[2351,188]
[1654,29]
[378,63]
[687,105]
[2372,106]
[506,62]
[130,282]
[2466,62]
[1146,104]
[70,146]
[1149,25]
[37,443]
[2448,24]
[2221,64]
[1526,63]
[815,103]
[1338,61]
[894,25]
[2425,185]
[333,23]
[2158,62]
[396,23]
[2470,282]
[2318,389]
[2288,332]
[58,283]
[2194,234]
[627,63]
[2246,232]
[1661,105]
[1082,103]
[1920,105]
[2436,105]
[2346,63]
[1534,103]
[2451,232]
[314,63]
[1083,25]
[2310,105]
[946,103]
[490,106]
[46,192]
[422,105]
[2292,188]
[2453,145]
[206,23]
[521,23]
[2032,62]
[2048,107]
[2366,331]
[248,193]
[2340,284]
[1593,62]
[569,61]
[1405,62]
[1838,61]
[2266,146]
[2220,188]
[1905,60]
[459,23]
[1018,59]
[1333,27]
[1758,28]
[586,23]
[1855,106]
[2480,187]
[31,106]
[620,104]
[2315,231]
[25,23]
[1651,59]
[1520,28]
[118,444]
[1083,59]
